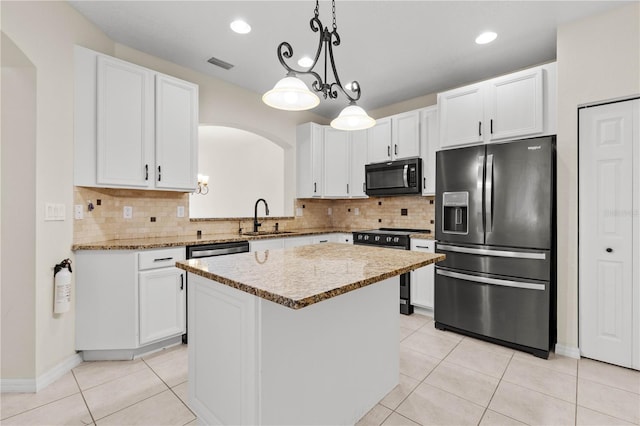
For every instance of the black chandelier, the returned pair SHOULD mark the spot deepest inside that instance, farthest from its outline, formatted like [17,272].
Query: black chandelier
[292,94]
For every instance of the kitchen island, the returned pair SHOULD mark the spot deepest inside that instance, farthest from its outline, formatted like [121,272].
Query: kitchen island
[307,335]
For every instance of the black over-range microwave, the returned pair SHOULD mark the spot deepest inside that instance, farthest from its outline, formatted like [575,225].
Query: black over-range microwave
[401,177]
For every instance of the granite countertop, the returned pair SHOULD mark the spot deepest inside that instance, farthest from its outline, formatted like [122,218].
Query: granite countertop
[179,241]
[301,276]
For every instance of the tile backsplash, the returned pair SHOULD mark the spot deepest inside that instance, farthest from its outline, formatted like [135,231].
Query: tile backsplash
[155,215]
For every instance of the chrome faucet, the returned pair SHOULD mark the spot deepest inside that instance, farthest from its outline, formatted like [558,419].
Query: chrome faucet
[257,224]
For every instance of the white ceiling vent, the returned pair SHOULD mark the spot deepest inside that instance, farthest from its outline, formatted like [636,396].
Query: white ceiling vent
[220,63]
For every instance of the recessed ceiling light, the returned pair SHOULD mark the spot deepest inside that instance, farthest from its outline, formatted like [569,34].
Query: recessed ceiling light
[486,37]
[240,26]
[305,61]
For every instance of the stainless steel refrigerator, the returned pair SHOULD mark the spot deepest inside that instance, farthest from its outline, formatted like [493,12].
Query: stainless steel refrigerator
[495,221]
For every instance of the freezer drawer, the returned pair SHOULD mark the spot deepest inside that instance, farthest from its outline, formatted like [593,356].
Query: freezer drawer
[509,310]
[513,262]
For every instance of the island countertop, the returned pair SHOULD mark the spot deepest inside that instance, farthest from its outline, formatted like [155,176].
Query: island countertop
[301,276]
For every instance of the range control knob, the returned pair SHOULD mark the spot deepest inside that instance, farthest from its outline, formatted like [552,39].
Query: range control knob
[396,239]
[377,238]
[359,237]
[388,239]
[366,237]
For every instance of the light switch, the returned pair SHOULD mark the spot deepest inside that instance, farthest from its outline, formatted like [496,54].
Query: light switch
[78,211]
[180,211]
[127,212]
[356,211]
[329,211]
[299,211]
[53,211]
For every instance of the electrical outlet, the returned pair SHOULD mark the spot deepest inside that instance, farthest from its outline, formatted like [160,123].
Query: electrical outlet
[127,212]
[78,211]
[180,211]
[329,211]
[356,211]
[298,212]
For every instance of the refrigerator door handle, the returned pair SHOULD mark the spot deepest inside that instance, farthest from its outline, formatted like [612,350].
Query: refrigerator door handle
[488,194]
[404,175]
[496,253]
[492,281]
[478,198]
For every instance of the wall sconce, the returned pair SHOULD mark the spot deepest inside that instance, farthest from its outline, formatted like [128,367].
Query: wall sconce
[203,185]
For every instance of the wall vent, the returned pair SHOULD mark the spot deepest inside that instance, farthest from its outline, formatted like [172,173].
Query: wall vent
[220,63]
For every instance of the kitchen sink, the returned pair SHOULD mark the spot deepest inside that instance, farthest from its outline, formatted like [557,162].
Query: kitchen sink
[254,234]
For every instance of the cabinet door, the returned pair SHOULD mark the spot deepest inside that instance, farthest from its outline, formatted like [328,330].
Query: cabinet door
[176,134]
[422,279]
[336,162]
[359,140]
[162,303]
[124,124]
[515,105]
[379,143]
[429,145]
[309,155]
[461,115]
[405,134]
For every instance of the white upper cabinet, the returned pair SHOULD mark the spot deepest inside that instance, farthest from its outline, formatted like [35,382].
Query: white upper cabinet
[176,133]
[430,143]
[134,127]
[395,137]
[513,106]
[359,139]
[124,123]
[310,160]
[336,162]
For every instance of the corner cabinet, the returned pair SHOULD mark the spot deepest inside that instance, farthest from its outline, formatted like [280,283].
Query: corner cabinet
[134,127]
[513,106]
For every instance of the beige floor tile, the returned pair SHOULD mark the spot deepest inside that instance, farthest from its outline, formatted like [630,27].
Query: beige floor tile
[94,373]
[162,409]
[611,375]
[589,417]
[463,382]
[67,411]
[15,403]
[416,364]
[396,419]
[413,322]
[178,353]
[609,400]
[182,392]
[478,357]
[473,342]
[404,332]
[172,367]
[531,407]
[555,362]
[437,345]
[194,422]
[491,418]
[121,393]
[375,417]
[428,405]
[399,393]
[431,329]
[541,379]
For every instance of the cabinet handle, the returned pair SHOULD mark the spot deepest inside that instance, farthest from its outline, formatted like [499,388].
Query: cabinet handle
[159,174]
[347,188]
[479,128]
[314,187]
[162,259]
[609,250]
[424,182]
[363,187]
[388,150]
[395,149]
[181,281]
[424,247]
[491,126]
[146,172]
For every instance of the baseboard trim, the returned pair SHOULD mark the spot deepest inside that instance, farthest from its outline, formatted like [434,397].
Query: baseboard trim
[569,351]
[42,381]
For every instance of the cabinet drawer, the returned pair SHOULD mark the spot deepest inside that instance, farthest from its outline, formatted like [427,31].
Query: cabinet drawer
[428,246]
[160,258]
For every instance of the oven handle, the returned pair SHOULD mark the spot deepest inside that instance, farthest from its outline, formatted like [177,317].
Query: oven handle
[493,281]
[496,253]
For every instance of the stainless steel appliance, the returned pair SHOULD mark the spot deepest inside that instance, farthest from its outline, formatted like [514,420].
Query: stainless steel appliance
[495,221]
[400,177]
[200,251]
[396,239]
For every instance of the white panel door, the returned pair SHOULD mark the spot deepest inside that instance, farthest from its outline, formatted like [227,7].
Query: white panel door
[359,140]
[336,162]
[124,124]
[176,133]
[405,134]
[162,303]
[379,144]
[461,115]
[606,228]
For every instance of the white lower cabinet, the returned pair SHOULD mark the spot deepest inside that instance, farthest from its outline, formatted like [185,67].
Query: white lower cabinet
[128,302]
[267,244]
[422,279]
[297,241]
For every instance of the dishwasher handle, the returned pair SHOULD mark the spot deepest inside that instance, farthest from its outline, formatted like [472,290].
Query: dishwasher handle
[217,252]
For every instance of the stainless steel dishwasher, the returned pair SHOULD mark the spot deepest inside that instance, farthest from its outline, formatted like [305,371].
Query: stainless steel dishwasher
[201,251]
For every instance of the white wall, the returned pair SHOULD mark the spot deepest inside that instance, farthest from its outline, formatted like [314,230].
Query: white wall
[598,60]
[242,167]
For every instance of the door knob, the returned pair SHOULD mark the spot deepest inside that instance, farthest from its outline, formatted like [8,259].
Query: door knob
[609,250]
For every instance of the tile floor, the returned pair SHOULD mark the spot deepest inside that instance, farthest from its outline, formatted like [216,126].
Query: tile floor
[445,379]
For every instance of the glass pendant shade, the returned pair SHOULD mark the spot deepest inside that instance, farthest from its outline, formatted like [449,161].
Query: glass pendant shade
[291,94]
[352,118]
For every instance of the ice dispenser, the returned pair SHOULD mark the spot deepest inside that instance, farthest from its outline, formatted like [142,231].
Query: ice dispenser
[455,212]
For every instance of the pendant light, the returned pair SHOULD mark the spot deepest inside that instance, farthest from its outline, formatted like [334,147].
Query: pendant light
[292,94]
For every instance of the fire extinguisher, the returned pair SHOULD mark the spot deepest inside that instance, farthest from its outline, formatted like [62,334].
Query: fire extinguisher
[62,293]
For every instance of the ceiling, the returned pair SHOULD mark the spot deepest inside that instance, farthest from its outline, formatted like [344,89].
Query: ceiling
[396,50]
